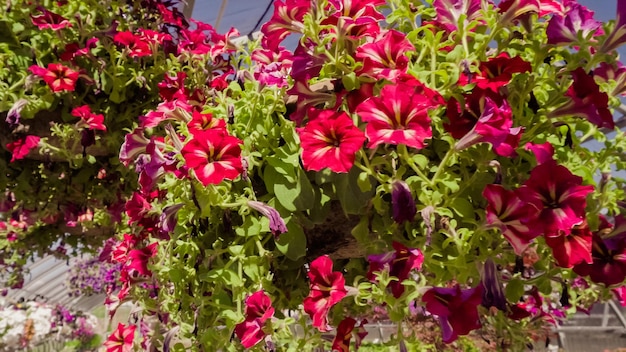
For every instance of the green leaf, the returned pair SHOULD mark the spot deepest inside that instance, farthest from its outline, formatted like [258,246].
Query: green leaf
[364,182]
[463,208]
[514,290]
[352,199]
[292,243]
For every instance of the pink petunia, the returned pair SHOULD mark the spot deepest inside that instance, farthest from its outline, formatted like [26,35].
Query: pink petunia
[398,116]
[214,155]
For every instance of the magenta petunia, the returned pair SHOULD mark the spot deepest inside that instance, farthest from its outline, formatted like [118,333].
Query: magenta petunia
[386,56]
[565,29]
[456,309]
[49,20]
[400,263]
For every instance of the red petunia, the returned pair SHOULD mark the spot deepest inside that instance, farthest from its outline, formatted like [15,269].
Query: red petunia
[586,101]
[121,340]
[88,119]
[58,77]
[496,72]
[559,196]
[327,289]
[258,310]
[573,248]
[137,45]
[330,140]
[398,116]
[21,147]
[214,156]
[139,259]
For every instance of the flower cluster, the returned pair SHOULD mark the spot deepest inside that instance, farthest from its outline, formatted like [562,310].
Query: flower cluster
[425,157]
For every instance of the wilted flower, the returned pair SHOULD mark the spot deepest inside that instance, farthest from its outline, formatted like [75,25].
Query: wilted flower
[402,202]
[277,224]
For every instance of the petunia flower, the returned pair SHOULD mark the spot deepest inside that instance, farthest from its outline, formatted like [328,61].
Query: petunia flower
[277,224]
[606,72]
[287,18]
[608,255]
[449,13]
[586,101]
[330,140]
[214,156]
[399,115]
[455,308]
[386,56]
[139,259]
[543,152]
[402,202]
[21,147]
[496,72]
[137,45]
[58,77]
[327,289]
[49,20]
[204,121]
[178,110]
[135,143]
[514,217]
[564,29]
[358,19]
[173,87]
[494,126]
[400,263]
[272,66]
[13,115]
[136,207]
[571,248]
[493,291]
[558,195]
[88,119]
[73,50]
[345,330]
[258,310]
[121,340]
[617,36]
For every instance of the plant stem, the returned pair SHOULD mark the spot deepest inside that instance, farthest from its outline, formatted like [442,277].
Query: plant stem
[441,166]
